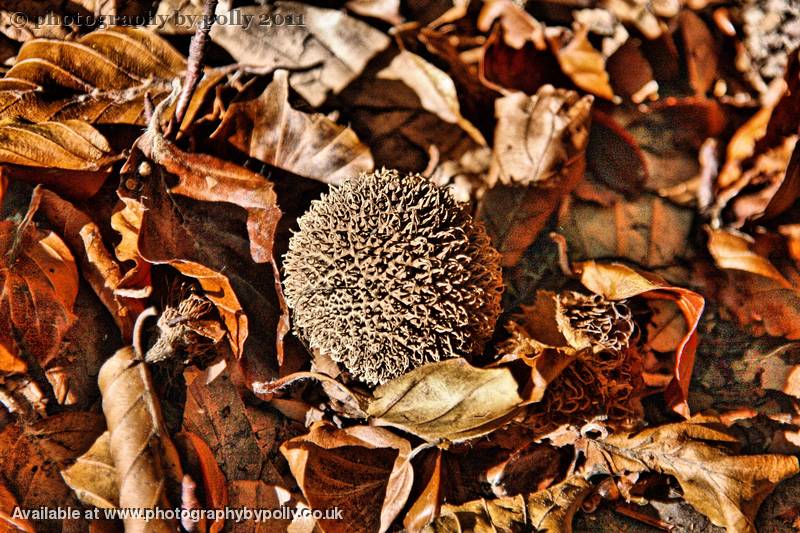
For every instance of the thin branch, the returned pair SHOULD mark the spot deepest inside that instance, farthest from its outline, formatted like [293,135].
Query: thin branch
[194,69]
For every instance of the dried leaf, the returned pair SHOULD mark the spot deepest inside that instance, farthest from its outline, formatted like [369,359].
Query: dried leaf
[71,156]
[98,267]
[364,471]
[616,281]
[435,89]
[701,57]
[646,229]
[548,510]
[109,71]
[733,250]
[538,136]
[216,413]
[539,144]
[518,25]
[208,472]
[7,505]
[327,52]
[447,401]
[93,476]
[313,146]
[169,228]
[585,66]
[40,284]
[761,304]
[33,455]
[727,488]
[140,446]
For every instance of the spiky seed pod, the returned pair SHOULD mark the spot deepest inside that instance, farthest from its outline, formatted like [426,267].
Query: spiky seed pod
[188,332]
[605,378]
[607,323]
[389,272]
[771,33]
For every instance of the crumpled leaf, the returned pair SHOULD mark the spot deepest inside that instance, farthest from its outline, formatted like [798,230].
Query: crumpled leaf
[313,146]
[539,147]
[70,156]
[364,471]
[98,267]
[548,510]
[93,476]
[584,65]
[39,285]
[33,455]
[733,250]
[615,281]
[169,228]
[326,53]
[537,136]
[145,458]
[727,488]
[435,89]
[447,401]
[108,72]
[519,26]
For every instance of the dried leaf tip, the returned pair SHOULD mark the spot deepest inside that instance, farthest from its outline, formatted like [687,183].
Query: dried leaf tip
[389,272]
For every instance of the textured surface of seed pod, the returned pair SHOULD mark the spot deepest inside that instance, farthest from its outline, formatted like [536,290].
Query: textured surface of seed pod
[389,272]
[771,33]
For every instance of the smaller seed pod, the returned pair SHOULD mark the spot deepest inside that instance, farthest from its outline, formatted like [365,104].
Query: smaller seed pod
[389,272]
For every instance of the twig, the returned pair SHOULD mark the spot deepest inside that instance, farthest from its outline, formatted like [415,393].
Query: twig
[194,68]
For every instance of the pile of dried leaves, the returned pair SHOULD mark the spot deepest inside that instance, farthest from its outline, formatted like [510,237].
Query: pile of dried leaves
[634,163]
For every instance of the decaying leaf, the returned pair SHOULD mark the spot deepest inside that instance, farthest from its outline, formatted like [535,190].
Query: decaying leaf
[70,155]
[616,281]
[143,454]
[447,401]
[435,89]
[327,51]
[538,158]
[7,505]
[313,146]
[33,455]
[40,284]
[727,488]
[548,510]
[93,476]
[364,471]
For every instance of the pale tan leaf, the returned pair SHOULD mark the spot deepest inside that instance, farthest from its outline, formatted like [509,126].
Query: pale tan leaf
[585,66]
[447,401]
[732,250]
[435,89]
[727,488]
[537,136]
[328,52]
[310,145]
[93,476]
[550,510]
